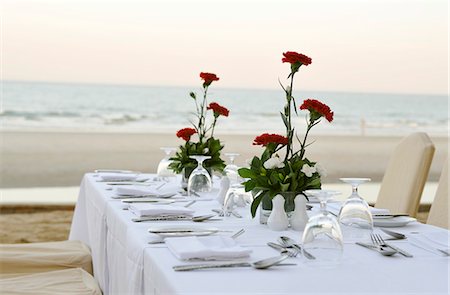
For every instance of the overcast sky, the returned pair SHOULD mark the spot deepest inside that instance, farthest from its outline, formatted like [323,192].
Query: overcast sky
[364,46]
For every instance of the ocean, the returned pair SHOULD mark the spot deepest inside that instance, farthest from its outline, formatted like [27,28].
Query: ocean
[122,108]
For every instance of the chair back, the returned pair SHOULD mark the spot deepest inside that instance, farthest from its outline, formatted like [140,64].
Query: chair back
[439,209]
[406,175]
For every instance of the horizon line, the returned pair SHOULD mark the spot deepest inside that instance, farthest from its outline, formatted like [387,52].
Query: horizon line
[220,87]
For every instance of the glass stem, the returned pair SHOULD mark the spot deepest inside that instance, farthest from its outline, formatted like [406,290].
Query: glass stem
[323,206]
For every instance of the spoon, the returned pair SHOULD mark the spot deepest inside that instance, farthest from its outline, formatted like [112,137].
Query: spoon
[261,264]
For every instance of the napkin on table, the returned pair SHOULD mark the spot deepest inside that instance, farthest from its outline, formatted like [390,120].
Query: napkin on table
[118,176]
[206,247]
[144,209]
[336,207]
[136,190]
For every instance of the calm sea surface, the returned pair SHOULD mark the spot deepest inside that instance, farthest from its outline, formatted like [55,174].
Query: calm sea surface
[84,107]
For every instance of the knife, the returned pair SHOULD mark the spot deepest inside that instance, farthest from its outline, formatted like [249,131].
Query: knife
[204,266]
[159,218]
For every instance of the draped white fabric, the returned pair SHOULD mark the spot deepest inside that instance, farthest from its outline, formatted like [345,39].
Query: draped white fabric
[124,262]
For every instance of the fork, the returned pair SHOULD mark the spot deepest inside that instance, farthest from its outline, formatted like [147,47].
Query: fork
[292,252]
[378,240]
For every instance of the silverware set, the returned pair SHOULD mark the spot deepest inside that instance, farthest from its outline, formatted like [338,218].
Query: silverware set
[289,247]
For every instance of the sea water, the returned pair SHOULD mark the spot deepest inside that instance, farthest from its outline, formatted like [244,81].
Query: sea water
[88,107]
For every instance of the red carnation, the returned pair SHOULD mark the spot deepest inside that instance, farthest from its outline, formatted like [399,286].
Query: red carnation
[317,109]
[266,138]
[208,78]
[186,133]
[294,58]
[218,109]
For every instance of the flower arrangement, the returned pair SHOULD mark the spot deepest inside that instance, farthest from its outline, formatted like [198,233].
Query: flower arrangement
[272,173]
[206,145]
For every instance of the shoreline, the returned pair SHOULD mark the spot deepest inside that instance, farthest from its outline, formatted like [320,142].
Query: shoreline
[60,159]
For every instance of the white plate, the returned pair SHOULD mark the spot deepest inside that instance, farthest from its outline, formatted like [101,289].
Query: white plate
[182,231]
[393,222]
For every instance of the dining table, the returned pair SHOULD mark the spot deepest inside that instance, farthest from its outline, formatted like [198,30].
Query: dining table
[127,260]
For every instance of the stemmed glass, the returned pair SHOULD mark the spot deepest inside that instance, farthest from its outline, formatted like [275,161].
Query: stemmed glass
[199,180]
[355,217]
[231,170]
[322,237]
[163,166]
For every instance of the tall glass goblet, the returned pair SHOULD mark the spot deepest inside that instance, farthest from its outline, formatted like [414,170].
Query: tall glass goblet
[322,237]
[355,217]
[163,166]
[231,170]
[199,181]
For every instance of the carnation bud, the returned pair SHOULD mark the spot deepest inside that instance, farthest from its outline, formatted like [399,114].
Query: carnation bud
[192,94]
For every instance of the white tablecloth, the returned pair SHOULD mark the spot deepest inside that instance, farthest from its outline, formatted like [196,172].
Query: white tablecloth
[124,262]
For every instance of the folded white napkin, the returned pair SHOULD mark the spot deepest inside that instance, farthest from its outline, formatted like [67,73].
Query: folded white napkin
[208,247]
[118,176]
[144,209]
[374,210]
[137,190]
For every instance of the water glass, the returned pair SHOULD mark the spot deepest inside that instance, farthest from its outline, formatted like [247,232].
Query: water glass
[322,237]
[163,166]
[355,217]
[199,181]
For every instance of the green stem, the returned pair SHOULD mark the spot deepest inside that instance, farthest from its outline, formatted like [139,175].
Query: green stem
[201,123]
[213,125]
[303,144]
[288,115]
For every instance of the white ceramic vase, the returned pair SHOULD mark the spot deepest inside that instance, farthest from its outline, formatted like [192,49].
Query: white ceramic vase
[278,219]
[300,217]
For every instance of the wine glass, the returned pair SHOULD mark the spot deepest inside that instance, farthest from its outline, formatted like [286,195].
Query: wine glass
[235,197]
[355,217]
[322,237]
[199,180]
[163,166]
[231,170]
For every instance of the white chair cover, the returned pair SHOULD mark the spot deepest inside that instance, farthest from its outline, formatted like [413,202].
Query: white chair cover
[439,209]
[43,257]
[406,175]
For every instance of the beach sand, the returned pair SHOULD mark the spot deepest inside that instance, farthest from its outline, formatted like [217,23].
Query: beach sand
[60,159]
[46,159]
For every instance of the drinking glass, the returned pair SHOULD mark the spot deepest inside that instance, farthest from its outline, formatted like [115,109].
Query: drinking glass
[322,237]
[163,166]
[355,217]
[231,170]
[199,180]
[235,196]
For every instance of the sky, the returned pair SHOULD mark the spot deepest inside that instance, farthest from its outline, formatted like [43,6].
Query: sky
[395,46]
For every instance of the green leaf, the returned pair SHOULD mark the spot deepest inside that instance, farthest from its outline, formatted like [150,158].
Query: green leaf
[249,185]
[285,120]
[255,203]
[246,173]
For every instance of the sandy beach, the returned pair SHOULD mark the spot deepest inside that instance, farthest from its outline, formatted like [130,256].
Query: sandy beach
[48,159]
